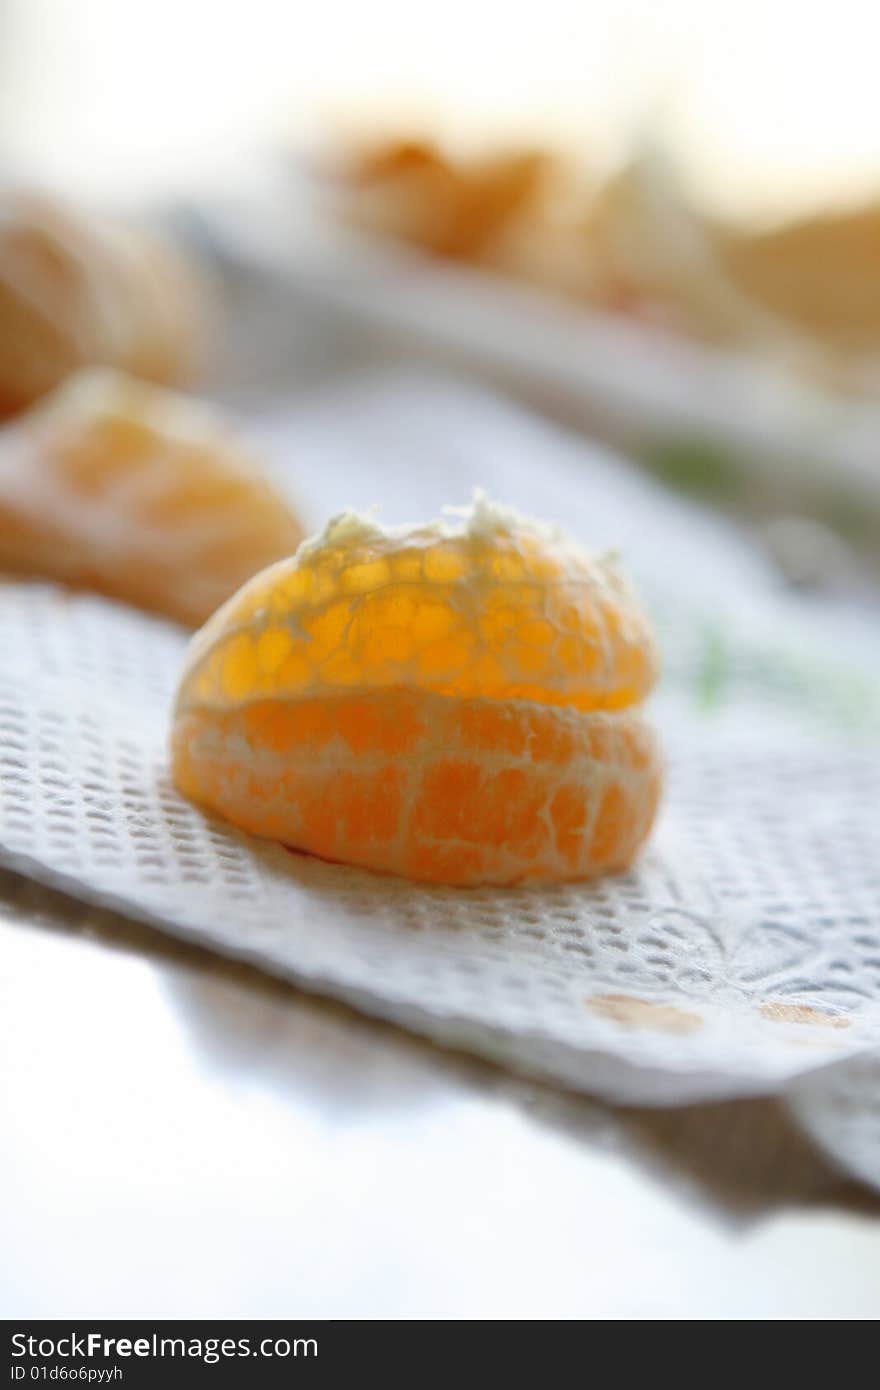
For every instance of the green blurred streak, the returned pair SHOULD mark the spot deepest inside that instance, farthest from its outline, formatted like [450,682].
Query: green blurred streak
[713,669]
[697,467]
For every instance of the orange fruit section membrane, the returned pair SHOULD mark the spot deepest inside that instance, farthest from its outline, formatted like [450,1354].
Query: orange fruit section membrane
[457,703]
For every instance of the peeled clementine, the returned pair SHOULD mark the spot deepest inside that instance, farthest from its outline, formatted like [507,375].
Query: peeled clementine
[456,703]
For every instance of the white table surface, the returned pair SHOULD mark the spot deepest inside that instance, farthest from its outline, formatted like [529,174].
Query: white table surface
[184,1137]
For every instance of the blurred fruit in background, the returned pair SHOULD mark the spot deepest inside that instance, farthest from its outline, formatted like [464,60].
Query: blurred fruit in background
[78,289]
[139,493]
[413,190]
[806,292]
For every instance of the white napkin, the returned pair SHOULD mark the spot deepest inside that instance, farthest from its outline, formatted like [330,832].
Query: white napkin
[741,952]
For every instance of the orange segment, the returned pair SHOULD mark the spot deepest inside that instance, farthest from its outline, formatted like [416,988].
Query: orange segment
[494,608]
[144,495]
[419,784]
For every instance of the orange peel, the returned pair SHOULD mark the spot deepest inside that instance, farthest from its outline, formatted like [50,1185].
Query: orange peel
[457,703]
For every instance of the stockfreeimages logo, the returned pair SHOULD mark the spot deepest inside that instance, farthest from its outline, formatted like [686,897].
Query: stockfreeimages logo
[95,1346]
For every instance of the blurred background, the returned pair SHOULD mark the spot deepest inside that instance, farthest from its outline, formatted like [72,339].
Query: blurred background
[659,225]
[774,110]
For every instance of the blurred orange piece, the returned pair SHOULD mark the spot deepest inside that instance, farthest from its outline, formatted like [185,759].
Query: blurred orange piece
[807,290]
[141,494]
[80,290]
[820,274]
[409,189]
[459,704]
